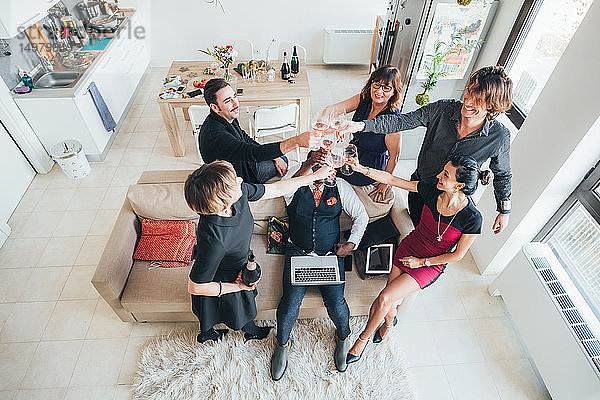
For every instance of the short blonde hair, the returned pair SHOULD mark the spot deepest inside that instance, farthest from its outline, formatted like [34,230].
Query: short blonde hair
[493,86]
[210,188]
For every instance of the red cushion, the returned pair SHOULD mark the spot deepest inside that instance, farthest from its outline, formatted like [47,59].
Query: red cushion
[169,242]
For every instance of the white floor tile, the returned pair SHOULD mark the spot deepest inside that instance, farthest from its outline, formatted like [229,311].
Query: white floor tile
[456,342]
[90,372]
[106,324]
[27,322]
[91,250]
[104,222]
[101,174]
[472,381]
[75,223]
[432,383]
[418,343]
[55,200]
[516,380]
[30,200]
[131,359]
[61,251]
[52,365]
[78,285]
[70,320]
[14,361]
[498,338]
[90,393]
[54,279]
[37,394]
[123,392]
[22,252]
[87,198]
[42,224]
[13,282]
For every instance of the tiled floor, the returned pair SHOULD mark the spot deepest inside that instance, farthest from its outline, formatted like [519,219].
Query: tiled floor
[58,340]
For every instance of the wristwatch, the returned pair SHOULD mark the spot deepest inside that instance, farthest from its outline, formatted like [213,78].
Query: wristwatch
[427,262]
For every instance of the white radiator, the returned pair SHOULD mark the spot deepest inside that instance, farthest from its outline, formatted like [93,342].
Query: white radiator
[347,46]
[556,324]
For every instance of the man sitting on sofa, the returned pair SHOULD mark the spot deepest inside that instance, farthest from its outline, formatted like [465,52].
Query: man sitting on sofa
[314,214]
[222,138]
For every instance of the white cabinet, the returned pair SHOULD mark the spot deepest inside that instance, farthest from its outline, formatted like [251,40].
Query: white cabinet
[18,15]
[117,73]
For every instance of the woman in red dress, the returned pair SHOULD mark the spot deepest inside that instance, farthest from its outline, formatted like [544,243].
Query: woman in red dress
[449,225]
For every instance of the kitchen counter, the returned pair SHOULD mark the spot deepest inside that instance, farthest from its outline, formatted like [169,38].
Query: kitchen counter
[66,92]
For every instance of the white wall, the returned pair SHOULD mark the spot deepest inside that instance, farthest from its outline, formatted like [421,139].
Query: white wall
[178,28]
[557,144]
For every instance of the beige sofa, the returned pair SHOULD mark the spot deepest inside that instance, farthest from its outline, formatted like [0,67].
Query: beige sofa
[142,294]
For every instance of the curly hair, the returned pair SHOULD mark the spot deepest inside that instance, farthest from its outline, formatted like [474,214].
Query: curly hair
[492,86]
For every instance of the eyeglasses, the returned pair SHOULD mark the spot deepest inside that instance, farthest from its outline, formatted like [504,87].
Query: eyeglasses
[386,88]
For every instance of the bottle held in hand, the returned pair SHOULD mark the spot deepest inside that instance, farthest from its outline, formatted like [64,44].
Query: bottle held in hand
[251,272]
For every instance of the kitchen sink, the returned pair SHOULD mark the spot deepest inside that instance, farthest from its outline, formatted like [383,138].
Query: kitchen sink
[56,79]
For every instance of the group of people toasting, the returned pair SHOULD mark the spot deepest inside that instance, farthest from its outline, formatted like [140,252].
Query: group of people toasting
[460,136]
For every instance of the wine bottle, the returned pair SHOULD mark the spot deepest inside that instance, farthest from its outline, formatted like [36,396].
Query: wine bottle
[295,62]
[251,272]
[285,68]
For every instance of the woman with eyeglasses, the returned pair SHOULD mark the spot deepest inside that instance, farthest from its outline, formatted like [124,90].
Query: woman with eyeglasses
[379,96]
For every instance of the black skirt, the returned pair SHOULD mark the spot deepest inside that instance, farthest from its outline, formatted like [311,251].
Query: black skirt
[234,309]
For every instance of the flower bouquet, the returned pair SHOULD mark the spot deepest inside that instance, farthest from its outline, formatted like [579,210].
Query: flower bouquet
[225,56]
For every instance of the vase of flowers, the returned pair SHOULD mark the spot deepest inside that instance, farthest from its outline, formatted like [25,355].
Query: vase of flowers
[225,56]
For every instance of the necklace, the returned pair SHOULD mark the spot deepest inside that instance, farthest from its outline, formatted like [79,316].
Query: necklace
[439,236]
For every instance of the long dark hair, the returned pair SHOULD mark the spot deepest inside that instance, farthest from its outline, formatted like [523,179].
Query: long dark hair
[389,75]
[468,172]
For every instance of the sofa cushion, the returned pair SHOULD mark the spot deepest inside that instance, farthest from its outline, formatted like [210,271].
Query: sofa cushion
[160,201]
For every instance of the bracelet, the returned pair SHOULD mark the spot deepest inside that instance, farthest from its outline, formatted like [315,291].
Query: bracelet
[220,289]
[368,171]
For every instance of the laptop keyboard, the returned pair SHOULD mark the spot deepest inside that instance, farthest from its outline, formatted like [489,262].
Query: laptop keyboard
[315,274]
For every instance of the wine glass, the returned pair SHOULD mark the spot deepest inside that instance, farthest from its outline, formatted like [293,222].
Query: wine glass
[339,123]
[350,152]
[334,161]
[320,125]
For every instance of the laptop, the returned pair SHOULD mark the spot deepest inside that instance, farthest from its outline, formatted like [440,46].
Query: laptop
[315,270]
[379,259]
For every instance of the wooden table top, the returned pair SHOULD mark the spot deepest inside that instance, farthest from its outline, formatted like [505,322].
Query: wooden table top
[253,91]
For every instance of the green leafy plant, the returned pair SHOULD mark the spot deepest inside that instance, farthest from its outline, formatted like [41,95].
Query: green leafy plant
[441,51]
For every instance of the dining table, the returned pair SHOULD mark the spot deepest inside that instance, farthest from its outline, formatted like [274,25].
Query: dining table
[256,92]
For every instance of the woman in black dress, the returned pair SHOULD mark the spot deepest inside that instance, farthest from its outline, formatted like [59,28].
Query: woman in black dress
[223,241]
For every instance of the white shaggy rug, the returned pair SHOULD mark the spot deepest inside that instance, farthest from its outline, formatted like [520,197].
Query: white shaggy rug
[175,366]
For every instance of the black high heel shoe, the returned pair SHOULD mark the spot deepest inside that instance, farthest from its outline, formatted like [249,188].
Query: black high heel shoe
[377,337]
[351,358]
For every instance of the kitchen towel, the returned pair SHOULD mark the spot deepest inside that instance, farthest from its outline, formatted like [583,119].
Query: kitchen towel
[105,115]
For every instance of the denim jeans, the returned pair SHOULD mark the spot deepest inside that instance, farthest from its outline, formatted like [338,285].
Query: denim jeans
[266,170]
[291,299]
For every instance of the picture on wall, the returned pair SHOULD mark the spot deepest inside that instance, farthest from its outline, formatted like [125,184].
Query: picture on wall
[450,19]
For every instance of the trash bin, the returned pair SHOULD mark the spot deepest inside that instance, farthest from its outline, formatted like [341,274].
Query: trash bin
[69,155]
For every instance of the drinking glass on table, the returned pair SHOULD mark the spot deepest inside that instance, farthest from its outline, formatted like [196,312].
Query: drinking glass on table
[350,153]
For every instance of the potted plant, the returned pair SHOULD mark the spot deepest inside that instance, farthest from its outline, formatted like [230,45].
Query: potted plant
[441,51]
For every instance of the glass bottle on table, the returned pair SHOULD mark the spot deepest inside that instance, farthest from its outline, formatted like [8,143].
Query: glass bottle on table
[295,65]
[285,68]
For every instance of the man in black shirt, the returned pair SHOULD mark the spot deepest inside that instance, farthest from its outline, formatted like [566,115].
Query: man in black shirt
[466,128]
[222,138]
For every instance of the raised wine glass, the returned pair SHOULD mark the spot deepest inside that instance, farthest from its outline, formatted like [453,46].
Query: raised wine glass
[350,152]
[320,125]
[340,122]
[334,161]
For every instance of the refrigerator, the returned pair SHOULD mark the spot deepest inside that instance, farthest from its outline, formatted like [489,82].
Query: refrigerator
[405,35]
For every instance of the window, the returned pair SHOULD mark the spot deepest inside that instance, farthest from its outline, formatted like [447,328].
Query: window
[541,33]
[573,233]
